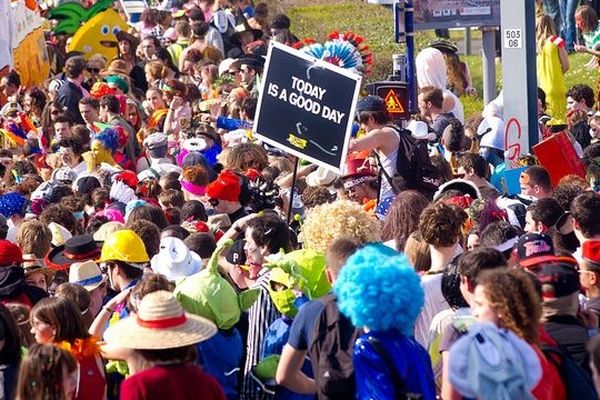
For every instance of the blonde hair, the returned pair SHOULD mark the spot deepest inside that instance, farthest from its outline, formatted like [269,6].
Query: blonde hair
[418,253]
[342,217]
[544,29]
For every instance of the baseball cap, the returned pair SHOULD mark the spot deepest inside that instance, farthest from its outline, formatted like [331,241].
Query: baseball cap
[236,254]
[558,279]
[371,103]
[155,141]
[536,248]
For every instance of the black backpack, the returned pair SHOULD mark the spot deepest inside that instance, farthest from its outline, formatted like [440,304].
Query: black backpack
[577,381]
[330,352]
[414,169]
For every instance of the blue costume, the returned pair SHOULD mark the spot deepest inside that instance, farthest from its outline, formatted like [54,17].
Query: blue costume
[220,356]
[380,292]
[411,361]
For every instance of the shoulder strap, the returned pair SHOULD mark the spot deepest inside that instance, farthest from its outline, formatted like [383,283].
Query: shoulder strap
[389,362]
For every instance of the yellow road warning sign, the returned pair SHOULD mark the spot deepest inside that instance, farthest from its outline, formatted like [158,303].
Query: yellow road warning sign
[393,103]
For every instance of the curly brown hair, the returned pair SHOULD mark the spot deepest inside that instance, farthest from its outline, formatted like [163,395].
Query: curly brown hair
[440,224]
[196,175]
[245,156]
[513,296]
[569,187]
[315,196]
[403,217]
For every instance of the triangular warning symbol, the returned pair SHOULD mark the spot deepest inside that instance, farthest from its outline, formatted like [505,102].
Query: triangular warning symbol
[393,103]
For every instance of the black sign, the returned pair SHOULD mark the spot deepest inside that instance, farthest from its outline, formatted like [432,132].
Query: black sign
[395,95]
[306,106]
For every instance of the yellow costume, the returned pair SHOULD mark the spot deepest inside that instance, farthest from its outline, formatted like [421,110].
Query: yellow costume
[551,77]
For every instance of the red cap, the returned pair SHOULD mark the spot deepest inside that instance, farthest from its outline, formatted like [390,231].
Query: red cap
[226,187]
[590,251]
[10,253]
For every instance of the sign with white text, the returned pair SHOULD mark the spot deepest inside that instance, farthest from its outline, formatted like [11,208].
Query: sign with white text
[306,106]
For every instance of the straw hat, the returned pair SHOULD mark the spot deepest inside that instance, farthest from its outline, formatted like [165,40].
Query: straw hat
[160,323]
[31,265]
[86,274]
[116,67]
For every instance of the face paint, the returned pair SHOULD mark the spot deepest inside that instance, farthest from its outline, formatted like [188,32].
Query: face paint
[284,302]
[280,290]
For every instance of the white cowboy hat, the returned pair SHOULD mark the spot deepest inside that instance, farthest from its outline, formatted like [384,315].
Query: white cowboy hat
[159,324]
[86,274]
[321,177]
[174,260]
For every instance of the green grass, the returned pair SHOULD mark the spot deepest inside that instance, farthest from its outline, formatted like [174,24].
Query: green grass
[316,18]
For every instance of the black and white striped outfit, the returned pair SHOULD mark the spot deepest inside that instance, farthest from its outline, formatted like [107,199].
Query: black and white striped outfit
[261,315]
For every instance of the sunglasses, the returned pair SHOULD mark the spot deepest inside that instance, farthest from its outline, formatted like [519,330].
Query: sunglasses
[214,202]
[93,70]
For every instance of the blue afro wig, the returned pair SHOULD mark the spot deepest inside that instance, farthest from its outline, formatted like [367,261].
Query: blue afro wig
[109,139]
[377,288]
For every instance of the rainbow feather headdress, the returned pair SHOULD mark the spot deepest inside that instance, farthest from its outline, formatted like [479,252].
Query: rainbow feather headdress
[346,50]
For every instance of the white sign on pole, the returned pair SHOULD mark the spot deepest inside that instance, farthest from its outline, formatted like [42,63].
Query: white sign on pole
[513,39]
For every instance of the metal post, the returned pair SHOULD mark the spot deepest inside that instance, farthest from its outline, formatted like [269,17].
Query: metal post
[489,64]
[410,55]
[289,214]
[468,41]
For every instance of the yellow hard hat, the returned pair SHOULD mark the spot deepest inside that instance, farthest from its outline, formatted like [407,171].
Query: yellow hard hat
[126,246]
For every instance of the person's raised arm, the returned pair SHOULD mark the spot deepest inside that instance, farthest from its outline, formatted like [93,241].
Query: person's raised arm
[289,372]
[370,141]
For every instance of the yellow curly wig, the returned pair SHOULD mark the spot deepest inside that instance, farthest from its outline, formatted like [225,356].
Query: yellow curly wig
[343,217]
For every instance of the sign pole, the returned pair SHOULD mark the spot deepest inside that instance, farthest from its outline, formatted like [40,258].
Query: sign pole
[410,55]
[519,76]
[295,173]
[489,64]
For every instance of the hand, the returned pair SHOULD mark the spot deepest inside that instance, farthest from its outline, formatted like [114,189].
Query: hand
[241,223]
[581,49]
[176,102]
[120,298]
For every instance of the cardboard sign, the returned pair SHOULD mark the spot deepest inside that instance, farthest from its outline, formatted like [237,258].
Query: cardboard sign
[306,106]
[441,14]
[559,157]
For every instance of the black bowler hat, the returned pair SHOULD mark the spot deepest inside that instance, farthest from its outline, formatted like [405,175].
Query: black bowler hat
[254,61]
[78,248]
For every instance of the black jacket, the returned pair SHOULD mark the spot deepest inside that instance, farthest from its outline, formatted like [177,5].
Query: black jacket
[571,336]
[68,97]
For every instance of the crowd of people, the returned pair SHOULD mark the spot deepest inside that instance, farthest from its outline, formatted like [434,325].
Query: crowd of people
[152,247]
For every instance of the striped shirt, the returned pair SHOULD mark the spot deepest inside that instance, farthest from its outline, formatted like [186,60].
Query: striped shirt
[260,317]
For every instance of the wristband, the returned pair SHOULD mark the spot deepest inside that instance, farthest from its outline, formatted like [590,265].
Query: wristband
[110,310]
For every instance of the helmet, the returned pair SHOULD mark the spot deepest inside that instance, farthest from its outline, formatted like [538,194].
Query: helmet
[124,245]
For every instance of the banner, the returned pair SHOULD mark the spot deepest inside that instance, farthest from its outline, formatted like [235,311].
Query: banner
[441,14]
[306,106]
[22,44]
